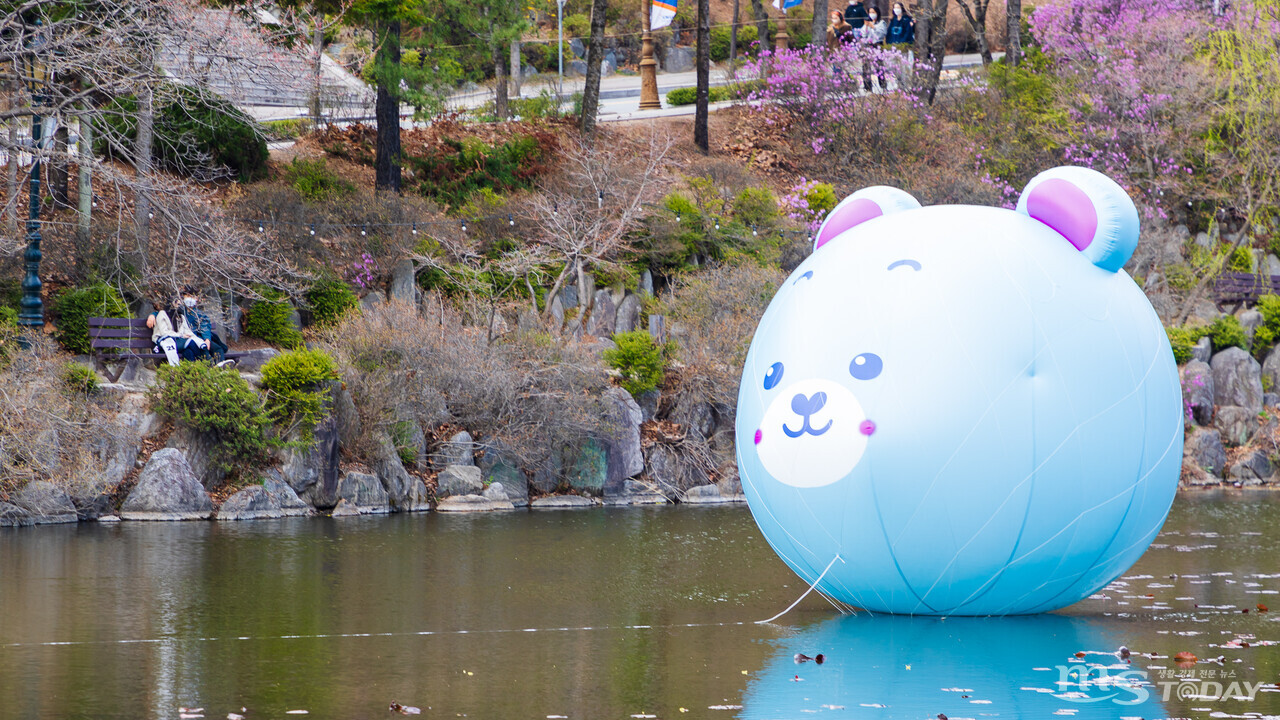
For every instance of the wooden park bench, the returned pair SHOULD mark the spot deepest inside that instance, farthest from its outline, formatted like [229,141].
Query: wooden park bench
[1242,288]
[118,340]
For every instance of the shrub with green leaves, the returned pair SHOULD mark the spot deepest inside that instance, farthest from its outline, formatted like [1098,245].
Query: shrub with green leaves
[330,300]
[1241,260]
[217,402]
[79,379]
[8,316]
[1226,332]
[689,95]
[315,181]
[638,359]
[755,206]
[269,319]
[1183,340]
[720,37]
[73,309]
[1266,335]
[296,390]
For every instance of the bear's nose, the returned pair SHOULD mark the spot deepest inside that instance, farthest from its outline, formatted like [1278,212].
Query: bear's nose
[807,405]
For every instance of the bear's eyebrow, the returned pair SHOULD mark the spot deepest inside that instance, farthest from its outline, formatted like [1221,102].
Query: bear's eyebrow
[808,275]
[908,263]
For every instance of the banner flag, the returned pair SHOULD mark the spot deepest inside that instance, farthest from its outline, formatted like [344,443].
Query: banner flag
[661,14]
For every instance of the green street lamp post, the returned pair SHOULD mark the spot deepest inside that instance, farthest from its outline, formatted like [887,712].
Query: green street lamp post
[35,72]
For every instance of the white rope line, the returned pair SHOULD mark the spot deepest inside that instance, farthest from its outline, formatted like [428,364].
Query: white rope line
[806,592]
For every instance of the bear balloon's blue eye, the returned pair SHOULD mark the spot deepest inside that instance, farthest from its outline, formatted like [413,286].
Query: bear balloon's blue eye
[866,366]
[773,377]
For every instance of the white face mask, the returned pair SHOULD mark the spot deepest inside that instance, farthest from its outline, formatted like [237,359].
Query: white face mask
[189,302]
[897,11]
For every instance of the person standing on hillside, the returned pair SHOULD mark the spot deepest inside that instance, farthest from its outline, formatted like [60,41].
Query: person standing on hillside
[872,36]
[855,14]
[902,27]
[838,31]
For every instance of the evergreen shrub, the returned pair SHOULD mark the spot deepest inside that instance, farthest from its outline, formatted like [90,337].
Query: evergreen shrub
[296,390]
[269,319]
[1226,332]
[330,299]
[218,402]
[638,359]
[73,309]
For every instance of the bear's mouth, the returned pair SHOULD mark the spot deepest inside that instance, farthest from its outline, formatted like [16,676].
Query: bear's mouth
[805,428]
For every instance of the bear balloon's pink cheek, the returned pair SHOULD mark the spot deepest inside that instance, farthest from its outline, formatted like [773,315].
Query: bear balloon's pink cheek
[759,436]
[866,427]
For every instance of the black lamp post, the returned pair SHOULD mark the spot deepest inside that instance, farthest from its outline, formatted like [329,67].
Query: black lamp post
[35,74]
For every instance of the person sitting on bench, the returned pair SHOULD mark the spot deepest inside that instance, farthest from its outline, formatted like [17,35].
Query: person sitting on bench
[174,341]
[202,326]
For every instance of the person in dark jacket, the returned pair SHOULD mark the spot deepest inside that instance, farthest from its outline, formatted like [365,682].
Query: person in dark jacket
[855,14]
[200,324]
[902,28]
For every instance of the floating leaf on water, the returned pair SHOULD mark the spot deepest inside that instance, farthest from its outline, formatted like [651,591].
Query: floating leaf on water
[1080,654]
[1262,608]
[1185,657]
[405,709]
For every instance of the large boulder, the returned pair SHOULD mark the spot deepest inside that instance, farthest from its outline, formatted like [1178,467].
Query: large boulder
[677,59]
[707,495]
[625,457]
[548,476]
[495,469]
[627,317]
[1197,391]
[167,489]
[459,480]
[1252,468]
[1195,476]
[637,492]
[364,492]
[404,287]
[46,503]
[1237,379]
[272,499]
[563,502]
[1235,424]
[13,516]
[312,471]
[198,449]
[472,503]
[1250,321]
[1271,369]
[406,492]
[603,315]
[587,467]
[253,360]
[458,450]
[1202,350]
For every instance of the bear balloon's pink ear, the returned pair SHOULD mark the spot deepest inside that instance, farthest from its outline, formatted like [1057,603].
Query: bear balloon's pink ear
[1089,209]
[860,207]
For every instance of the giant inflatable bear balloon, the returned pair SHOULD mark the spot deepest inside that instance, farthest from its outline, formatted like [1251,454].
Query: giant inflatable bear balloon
[959,410]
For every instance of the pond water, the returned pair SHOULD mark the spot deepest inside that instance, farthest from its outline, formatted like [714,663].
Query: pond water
[621,613]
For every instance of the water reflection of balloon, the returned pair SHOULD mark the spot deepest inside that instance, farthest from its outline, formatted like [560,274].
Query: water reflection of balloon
[887,667]
[959,410]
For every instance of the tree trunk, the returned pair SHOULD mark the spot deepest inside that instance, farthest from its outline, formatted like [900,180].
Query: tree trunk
[704,77]
[387,110]
[762,23]
[976,16]
[11,180]
[931,37]
[517,70]
[142,166]
[1013,30]
[819,23]
[59,167]
[84,181]
[733,41]
[595,55]
[500,109]
[317,50]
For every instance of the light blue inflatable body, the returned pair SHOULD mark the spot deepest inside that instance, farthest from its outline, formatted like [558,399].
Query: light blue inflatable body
[960,410]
